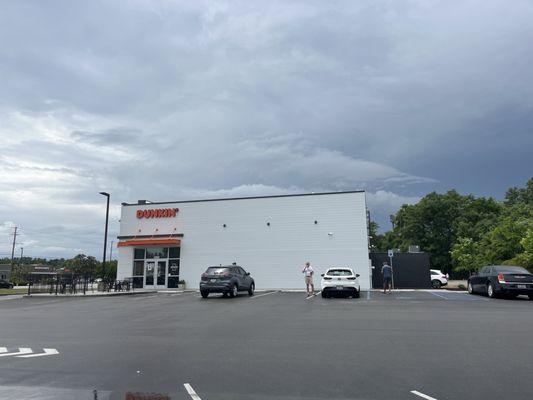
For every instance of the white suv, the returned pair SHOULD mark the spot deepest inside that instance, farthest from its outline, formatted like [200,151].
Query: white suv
[340,281]
[438,279]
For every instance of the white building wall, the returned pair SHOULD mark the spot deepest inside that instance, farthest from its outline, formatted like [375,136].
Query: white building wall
[274,254]
[125,262]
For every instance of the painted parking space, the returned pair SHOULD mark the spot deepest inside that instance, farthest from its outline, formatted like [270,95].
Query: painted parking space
[456,296]
[26,352]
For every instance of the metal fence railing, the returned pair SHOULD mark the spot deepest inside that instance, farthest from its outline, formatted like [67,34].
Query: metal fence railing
[76,285]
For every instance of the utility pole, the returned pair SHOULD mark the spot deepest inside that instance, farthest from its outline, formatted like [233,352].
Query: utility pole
[13,248]
[21,253]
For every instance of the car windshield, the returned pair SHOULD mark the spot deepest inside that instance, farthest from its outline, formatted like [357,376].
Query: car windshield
[511,270]
[216,270]
[339,272]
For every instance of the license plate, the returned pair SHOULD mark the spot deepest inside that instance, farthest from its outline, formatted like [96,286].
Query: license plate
[213,280]
[521,286]
[340,287]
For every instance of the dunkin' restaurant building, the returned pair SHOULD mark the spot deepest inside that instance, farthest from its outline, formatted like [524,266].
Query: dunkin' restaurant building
[271,237]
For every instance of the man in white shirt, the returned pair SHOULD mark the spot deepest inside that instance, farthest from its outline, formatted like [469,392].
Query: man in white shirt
[308,274]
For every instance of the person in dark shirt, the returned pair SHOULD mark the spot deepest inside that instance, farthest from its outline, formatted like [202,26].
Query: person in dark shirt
[386,271]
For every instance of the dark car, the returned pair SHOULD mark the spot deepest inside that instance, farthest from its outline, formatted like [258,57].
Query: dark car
[226,279]
[5,284]
[502,280]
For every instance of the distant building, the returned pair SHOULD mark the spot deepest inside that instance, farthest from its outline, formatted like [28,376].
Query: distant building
[5,271]
[42,272]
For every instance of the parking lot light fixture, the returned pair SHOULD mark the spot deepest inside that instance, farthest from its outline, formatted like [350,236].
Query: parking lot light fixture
[105,233]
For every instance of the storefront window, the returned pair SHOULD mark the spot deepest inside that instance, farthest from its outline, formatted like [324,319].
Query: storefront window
[174,252]
[173,272]
[173,267]
[138,268]
[157,252]
[138,254]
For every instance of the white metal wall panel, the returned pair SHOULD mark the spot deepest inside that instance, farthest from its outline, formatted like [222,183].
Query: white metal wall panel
[125,262]
[273,254]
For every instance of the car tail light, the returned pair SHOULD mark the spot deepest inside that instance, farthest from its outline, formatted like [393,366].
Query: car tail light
[501,278]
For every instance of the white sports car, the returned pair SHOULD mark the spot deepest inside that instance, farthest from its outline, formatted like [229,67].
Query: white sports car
[340,281]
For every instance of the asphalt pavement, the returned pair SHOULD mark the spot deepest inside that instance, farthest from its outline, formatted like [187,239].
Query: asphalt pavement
[282,346]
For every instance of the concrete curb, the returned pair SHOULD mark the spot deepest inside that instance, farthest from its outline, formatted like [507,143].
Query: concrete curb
[107,294]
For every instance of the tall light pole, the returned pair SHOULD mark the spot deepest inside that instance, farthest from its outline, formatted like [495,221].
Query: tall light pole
[105,234]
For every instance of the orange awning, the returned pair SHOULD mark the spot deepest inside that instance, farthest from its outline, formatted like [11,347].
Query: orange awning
[150,242]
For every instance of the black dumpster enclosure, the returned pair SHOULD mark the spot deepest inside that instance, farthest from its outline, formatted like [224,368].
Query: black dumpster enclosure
[411,270]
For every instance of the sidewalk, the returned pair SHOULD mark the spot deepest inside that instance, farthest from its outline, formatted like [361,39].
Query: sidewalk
[91,294]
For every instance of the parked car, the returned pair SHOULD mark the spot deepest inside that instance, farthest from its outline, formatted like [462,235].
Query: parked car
[501,280]
[5,284]
[228,279]
[438,279]
[341,281]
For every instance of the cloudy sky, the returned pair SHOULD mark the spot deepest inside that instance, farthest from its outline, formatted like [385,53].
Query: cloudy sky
[171,100]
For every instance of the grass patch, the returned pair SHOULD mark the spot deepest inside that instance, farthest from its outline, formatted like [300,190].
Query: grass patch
[13,291]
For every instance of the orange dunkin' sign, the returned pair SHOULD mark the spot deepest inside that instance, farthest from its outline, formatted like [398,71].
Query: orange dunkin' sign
[158,213]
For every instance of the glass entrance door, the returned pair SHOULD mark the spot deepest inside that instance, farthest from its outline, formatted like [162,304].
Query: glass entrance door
[155,274]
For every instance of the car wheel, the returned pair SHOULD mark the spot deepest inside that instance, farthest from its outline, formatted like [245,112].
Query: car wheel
[204,294]
[251,290]
[435,284]
[530,296]
[356,294]
[234,291]
[490,291]
[470,288]
[324,295]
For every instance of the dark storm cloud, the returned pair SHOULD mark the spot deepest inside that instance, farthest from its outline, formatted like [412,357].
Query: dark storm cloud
[172,100]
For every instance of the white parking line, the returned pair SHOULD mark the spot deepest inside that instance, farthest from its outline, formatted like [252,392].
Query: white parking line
[313,296]
[22,350]
[264,294]
[191,392]
[47,352]
[424,396]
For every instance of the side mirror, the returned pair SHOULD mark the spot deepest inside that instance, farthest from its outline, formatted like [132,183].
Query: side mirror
[247,273]
[321,274]
[357,275]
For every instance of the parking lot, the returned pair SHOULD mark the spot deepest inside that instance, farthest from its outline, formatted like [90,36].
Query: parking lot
[275,345]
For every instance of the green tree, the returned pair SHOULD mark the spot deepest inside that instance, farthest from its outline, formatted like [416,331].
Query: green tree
[525,258]
[520,195]
[437,221]
[501,237]
[82,265]
[110,271]
[465,254]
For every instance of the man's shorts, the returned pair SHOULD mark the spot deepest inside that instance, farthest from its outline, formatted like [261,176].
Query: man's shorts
[308,280]
[387,280]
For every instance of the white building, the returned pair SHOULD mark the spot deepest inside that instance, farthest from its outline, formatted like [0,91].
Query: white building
[271,237]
